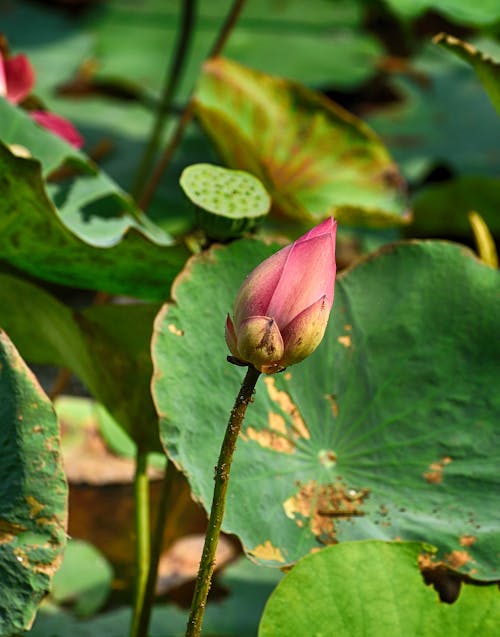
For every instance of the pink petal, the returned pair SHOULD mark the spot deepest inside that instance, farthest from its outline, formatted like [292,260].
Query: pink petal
[308,275]
[231,337]
[3,79]
[305,332]
[59,126]
[257,289]
[19,78]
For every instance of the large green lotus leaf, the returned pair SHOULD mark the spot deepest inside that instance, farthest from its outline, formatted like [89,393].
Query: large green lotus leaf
[487,69]
[458,11]
[443,118]
[33,493]
[107,346]
[440,210]
[325,44]
[314,157]
[373,589]
[33,238]
[387,431]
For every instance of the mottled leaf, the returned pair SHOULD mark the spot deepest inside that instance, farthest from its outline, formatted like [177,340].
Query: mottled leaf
[313,157]
[33,493]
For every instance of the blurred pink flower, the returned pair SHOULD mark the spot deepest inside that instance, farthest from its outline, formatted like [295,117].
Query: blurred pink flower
[17,78]
[282,308]
[59,126]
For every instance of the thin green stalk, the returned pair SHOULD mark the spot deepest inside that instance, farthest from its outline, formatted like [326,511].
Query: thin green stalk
[222,470]
[188,112]
[172,80]
[142,539]
[156,549]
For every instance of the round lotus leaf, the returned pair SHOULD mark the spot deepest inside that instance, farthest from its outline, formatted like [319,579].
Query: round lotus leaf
[389,430]
[373,589]
[228,201]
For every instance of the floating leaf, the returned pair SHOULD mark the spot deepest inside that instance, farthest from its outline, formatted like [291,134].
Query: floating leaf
[375,589]
[486,68]
[313,157]
[387,431]
[33,493]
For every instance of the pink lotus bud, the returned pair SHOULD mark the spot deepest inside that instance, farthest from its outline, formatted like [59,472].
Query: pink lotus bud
[16,78]
[59,126]
[282,308]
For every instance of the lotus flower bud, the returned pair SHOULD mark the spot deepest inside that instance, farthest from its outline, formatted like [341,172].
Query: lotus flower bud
[282,308]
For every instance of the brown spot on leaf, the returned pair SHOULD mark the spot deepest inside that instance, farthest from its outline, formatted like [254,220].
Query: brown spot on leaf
[286,405]
[457,559]
[320,505]
[327,457]
[435,473]
[47,568]
[346,341]
[9,531]
[35,506]
[271,440]
[267,551]
[173,329]
[333,404]
[468,540]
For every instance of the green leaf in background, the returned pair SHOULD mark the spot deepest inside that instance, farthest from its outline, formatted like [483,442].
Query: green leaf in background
[136,266]
[373,589]
[237,614]
[33,493]
[313,157]
[487,69]
[483,13]
[107,346]
[325,44]
[90,204]
[84,579]
[387,431]
[441,118]
[441,210]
